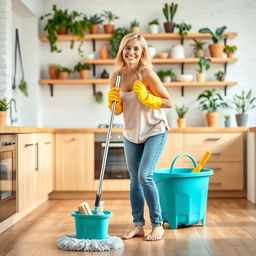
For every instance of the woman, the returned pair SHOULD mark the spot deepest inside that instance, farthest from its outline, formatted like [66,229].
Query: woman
[141,98]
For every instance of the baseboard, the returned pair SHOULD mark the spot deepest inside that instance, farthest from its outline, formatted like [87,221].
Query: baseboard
[227,194]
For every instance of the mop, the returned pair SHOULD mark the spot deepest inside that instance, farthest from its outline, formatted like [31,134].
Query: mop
[69,242]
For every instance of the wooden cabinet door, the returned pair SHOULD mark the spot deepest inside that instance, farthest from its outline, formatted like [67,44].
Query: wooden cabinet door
[74,161]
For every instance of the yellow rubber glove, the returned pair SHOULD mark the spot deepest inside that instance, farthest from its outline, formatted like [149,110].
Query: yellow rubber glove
[146,98]
[114,95]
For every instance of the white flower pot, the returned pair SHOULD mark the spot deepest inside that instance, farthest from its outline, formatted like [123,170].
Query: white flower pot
[177,52]
[152,52]
[154,29]
[167,79]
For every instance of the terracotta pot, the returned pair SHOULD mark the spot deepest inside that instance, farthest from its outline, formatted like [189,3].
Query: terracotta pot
[181,122]
[53,72]
[84,74]
[104,53]
[63,75]
[62,31]
[3,116]
[200,77]
[109,28]
[169,27]
[94,29]
[216,50]
[230,55]
[136,29]
[212,119]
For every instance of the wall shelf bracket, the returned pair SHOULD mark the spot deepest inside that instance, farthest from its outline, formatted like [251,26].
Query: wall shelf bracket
[225,90]
[182,91]
[94,89]
[93,45]
[51,88]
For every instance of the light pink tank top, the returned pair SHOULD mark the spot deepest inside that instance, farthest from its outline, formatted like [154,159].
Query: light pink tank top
[140,121]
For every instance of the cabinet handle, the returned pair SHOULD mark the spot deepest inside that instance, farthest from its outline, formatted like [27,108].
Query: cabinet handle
[48,142]
[216,153]
[28,145]
[213,139]
[37,156]
[215,183]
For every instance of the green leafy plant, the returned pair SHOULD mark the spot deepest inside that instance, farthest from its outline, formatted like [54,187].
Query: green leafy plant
[203,63]
[81,66]
[220,75]
[230,49]
[181,111]
[95,19]
[98,97]
[154,22]
[216,37]
[117,36]
[243,102]
[162,73]
[227,117]
[170,11]
[211,101]
[4,104]
[64,69]
[135,23]
[197,45]
[109,16]
[183,28]
[23,87]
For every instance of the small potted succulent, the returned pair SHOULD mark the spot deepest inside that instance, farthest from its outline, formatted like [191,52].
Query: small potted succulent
[216,48]
[82,69]
[227,120]
[242,103]
[230,50]
[183,28]
[135,26]
[181,112]
[154,26]
[64,72]
[220,75]
[211,101]
[169,12]
[198,49]
[109,17]
[165,76]
[53,71]
[3,111]
[203,64]
[95,21]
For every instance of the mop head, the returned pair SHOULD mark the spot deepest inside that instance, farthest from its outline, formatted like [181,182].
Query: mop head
[71,243]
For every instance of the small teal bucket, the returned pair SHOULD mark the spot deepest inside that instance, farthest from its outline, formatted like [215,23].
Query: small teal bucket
[92,226]
[183,194]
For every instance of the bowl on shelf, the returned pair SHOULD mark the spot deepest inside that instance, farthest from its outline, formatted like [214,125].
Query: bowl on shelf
[184,78]
[163,55]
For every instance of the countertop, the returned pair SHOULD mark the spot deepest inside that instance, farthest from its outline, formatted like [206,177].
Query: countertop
[16,129]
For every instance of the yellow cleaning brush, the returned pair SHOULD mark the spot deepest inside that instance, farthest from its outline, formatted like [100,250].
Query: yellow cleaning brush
[202,162]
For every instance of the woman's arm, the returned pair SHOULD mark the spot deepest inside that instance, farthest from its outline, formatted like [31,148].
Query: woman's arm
[154,84]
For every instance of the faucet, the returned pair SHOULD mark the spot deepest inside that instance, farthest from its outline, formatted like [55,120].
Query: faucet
[11,110]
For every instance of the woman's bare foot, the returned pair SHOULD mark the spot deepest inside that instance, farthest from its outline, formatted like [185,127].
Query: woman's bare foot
[135,231]
[156,234]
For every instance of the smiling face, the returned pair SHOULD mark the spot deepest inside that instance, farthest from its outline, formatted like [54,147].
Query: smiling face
[132,52]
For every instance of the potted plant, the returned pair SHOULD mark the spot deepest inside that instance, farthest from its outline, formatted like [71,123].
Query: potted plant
[181,112]
[3,111]
[64,72]
[83,69]
[227,121]
[220,75]
[211,101]
[183,28]
[135,26]
[169,13]
[53,71]
[230,50]
[98,97]
[57,24]
[165,76]
[198,49]
[151,51]
[95,21]
[154,26]
[242,103]
[216,48]
[203,64]
[109,17]
[104,52]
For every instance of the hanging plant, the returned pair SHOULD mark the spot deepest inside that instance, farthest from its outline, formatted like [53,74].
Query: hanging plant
[98,97]
[23,87]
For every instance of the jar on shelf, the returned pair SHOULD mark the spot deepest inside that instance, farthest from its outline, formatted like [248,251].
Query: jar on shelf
[177,52]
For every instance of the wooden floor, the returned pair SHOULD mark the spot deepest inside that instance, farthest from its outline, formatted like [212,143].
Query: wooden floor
[230,230]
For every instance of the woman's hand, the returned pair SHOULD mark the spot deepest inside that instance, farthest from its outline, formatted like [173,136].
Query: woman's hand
[146,98]
[114,95]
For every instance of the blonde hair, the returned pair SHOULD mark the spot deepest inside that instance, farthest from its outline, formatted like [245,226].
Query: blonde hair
[144,62]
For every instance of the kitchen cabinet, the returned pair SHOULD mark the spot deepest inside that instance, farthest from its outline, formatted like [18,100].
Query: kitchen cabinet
[74,161]
[35,168]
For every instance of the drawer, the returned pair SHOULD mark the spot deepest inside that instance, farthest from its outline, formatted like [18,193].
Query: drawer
[227,176]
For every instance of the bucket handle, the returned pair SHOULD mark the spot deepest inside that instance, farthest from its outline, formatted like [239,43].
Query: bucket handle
[177,157]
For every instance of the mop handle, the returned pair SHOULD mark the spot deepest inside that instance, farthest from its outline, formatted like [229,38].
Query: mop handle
[105,155]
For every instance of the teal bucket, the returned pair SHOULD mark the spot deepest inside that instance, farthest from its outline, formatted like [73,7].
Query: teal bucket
[92,226]
[183,194]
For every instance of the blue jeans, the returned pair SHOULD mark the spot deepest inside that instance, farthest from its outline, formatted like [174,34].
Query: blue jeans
[141,161]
